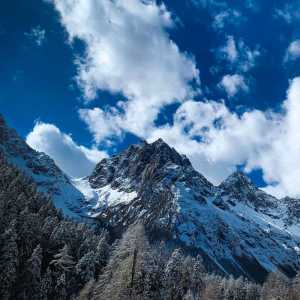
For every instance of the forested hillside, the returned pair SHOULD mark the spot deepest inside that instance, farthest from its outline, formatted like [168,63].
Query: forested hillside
[42,254]
[45,256]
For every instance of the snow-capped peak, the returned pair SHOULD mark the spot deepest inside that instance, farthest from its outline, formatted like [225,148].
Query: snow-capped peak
[237,227]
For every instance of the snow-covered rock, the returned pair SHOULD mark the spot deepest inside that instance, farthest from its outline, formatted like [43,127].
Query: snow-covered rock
[41,168]
[237,227]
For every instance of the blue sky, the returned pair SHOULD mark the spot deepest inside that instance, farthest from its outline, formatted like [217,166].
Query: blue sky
[216,79]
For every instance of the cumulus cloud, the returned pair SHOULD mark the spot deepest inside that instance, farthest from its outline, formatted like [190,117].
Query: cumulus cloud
[293,51]
[217,140]
[233,84]
[37,35]
[101,124]
[128,51]
[73,159]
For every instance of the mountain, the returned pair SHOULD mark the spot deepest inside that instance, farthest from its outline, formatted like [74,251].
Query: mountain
[238,228]
[50,180]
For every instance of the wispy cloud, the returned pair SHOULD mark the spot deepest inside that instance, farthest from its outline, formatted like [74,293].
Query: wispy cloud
[37,35]
[233,84]
[240,56]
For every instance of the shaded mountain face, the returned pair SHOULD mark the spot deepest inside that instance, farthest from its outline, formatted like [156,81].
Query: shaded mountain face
[238,188]
[50,180]
[238,228]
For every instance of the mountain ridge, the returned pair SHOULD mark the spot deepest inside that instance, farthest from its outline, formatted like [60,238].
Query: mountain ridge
[240,229]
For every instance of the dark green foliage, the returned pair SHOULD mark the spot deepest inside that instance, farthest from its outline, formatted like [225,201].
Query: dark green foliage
[42,255]
[8,262]
[45,256]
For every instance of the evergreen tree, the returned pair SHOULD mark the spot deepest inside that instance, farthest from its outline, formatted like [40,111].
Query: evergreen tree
[60,289]
[275,287]
[123,277]
[63,261]
[32,276]
[85,268]
[46,285]
[174,272]
[8,262]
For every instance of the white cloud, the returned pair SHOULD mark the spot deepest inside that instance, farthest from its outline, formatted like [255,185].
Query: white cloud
[238,54]
[128,51]
[233,84]
[289,12]
[280,161]
[230,49]
[73,159]
[37,35]
[293,51]
[224,17]
[101,124]
[217,140]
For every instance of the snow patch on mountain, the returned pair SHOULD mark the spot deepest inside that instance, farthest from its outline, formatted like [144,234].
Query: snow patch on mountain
[97,199]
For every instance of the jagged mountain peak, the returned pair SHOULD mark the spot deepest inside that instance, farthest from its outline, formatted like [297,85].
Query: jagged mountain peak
[239,188]
[154,184]
[137,162]
[162,153]
[238,179]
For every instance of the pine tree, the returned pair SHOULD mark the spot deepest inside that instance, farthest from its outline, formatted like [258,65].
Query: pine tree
[295,288]
[63,261]
[61,288]
[101,254]
[275,287]
[46,285]
[87,292]
[174,275]
[8,262]
[123,277]
[212,290]
[33,275]
[85,268]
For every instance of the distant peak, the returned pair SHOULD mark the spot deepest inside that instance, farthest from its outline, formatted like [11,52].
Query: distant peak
[159,142]
[237,177]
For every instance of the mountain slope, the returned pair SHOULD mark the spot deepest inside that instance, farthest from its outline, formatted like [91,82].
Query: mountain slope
[41,168]
[239,228]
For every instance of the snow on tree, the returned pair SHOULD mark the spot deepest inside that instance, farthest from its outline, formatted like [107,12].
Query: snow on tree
[63,260]
[85,268]
[32,280]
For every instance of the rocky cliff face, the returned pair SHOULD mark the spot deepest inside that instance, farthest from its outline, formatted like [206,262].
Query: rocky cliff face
[238,228]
